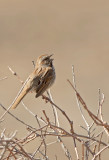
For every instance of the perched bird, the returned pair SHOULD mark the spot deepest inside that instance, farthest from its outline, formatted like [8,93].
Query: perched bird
[39,80]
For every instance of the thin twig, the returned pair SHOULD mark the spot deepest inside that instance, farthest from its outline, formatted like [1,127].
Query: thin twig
[100,144]
[94,117]
[82,150]
[16,118]
[15,74]
[63,112]
[54,108]
[33,64]
[32,112]
[3,78]
[76,150]
[97,154]
[78,104]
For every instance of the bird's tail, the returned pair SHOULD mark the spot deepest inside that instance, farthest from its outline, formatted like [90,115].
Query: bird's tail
[21,94]
[19,98]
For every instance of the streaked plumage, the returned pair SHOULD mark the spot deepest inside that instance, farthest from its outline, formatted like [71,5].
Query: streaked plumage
[39,80]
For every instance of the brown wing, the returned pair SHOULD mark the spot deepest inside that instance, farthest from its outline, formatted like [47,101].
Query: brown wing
[45,81]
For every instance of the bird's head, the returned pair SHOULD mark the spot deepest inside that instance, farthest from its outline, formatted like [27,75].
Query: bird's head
[45,60]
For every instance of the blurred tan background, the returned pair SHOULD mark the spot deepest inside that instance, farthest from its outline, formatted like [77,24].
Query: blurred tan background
[77,33]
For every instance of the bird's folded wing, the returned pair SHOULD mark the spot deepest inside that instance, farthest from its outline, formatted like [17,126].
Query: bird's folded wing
[44,82]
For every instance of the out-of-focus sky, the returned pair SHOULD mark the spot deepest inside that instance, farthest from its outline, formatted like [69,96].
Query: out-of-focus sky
[76,32]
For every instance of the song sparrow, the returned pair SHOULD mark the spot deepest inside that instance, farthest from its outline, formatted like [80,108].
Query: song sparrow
[39,81]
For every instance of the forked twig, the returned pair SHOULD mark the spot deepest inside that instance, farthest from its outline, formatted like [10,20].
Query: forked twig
[97,154]
[94,117]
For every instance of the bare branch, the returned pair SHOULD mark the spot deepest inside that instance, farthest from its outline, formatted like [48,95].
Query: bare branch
[3,78]
[15,74]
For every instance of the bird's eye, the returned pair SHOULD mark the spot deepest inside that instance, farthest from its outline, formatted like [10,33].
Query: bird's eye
[45,59]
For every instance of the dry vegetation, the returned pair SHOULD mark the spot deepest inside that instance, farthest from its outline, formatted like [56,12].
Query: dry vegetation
[92,145]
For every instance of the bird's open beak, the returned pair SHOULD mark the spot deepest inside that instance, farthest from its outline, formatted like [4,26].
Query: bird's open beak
[51,55]
[51,58]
